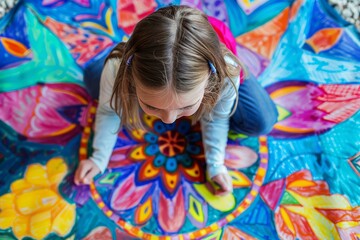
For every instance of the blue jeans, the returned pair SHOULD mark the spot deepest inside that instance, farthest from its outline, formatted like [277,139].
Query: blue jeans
[255,113]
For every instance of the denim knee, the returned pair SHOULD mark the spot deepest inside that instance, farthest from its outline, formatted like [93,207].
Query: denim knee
[261,125]
[256,112]
[265,123]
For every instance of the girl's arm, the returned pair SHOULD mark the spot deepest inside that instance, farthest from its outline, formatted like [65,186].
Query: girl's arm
[107,121]
[215,129]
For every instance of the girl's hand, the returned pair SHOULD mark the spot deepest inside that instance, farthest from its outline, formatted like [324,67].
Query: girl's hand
[224,182]
[85,172]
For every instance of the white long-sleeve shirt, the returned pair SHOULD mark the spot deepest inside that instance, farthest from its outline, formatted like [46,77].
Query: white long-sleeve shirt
[214,129]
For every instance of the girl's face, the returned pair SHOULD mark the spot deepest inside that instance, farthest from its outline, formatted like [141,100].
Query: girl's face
[167,105]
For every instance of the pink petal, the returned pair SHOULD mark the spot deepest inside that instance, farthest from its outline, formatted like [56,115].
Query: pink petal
[339,101]
[88,44]
[272,192]
[119,157]
[48,2]
[32,112]
[122,235]
[144,6]
[237,157]
[85,3]
[127,195]
[99,233]
[172,212]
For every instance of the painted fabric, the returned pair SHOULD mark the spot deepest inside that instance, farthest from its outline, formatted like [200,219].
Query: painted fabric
[299,182]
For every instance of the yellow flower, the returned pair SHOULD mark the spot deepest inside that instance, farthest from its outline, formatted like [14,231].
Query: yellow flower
[34,207]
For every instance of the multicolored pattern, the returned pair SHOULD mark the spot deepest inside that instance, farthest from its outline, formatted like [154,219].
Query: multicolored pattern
[167,182]
[299,182]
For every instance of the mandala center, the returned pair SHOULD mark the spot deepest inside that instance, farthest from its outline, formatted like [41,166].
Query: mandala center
[171,143]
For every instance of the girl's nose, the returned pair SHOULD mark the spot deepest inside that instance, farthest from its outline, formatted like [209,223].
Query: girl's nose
[169,117]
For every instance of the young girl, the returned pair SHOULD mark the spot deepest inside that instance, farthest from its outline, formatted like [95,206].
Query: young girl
[172,66]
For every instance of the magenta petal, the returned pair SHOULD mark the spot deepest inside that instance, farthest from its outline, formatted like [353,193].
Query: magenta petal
[99,233]
[272,192]
[84,3]
[237,157]
[127,195]
[49,2]
[122,235]
[33,112]
[119,157]
[172,212]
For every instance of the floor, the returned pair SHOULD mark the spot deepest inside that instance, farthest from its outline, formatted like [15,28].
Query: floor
[301,181]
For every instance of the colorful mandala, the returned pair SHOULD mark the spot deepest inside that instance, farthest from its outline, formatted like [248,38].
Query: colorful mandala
[156,183]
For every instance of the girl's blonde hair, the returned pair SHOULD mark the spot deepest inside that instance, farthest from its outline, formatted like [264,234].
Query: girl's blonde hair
[171,47]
